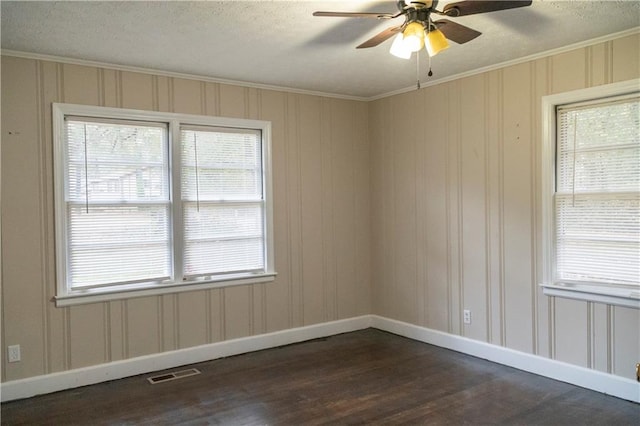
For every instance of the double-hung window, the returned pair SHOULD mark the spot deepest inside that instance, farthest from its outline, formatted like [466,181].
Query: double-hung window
[152,203]
[593,200]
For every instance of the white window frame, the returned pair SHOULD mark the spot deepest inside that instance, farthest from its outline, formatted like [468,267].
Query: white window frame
[66,296]
[600,293]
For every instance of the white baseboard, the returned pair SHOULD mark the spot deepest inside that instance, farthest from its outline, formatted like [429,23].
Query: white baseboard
[591,379]
[584,377]
[32,386]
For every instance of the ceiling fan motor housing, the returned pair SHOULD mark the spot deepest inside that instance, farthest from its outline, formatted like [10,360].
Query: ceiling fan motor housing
[428,4]
[416,12]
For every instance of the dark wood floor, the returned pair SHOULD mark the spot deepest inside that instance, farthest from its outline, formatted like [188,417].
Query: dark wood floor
[365,377]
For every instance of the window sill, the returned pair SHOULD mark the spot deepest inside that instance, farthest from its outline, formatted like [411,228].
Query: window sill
[96,296]
[591,293]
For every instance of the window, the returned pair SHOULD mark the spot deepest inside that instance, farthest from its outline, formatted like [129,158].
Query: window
[592,195]
[152,203]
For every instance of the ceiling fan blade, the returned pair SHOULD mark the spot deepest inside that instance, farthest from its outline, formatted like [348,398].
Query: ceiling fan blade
[355,15]
[464,8]
[456,32]
[379,38]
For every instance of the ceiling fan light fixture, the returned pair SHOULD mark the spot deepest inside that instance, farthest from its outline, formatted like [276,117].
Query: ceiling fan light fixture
[414,34]
[398,48]
[435,42]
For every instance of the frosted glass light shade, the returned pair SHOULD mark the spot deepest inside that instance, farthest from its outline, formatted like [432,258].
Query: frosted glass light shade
[435,42]
[398,48]
[414,36]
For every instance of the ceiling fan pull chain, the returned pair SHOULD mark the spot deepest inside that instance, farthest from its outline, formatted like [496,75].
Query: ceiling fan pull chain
[430,72]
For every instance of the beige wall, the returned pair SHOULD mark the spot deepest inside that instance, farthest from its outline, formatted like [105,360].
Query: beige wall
[413,207]
[456,211]
[321,219]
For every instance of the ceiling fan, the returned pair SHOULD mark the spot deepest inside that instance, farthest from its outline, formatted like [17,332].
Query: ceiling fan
[420,30]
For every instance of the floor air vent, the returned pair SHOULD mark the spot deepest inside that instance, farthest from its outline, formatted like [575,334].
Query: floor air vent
[172,376]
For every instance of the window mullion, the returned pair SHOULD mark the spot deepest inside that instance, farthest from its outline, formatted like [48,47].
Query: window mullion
[177,227]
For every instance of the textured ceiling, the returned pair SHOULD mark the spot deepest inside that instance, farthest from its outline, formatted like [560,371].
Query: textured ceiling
[280,43]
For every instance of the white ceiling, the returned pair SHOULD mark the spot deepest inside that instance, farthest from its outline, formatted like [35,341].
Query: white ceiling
[280,43]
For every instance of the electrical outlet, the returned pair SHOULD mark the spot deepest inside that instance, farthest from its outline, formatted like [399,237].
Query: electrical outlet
[14,353]
[466,316]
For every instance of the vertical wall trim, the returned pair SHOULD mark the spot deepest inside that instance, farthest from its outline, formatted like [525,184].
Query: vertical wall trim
[419,306]
[223,316]
[323,118]
[611,324]
[447,185]
[171,89]
[588,73]
[217,100]
[534,135]
[460,211]
[246,102]
[214,321]
[300,283]
[263,295]
[119,94]
[208,314]
[608,62]
[287,210]
[552,327]
[160,317]
[487,208]
[334,263]
[203,98]
[155,93]
[66,336]
[355,141]
[591,339]
[501,231]
[175,299]
[161,328]
[60,81]
[106,318]
[379,276]
[392,284]
[43,208]
[125,328]
[252,313]
[101,88]
[419,165]
[549,74]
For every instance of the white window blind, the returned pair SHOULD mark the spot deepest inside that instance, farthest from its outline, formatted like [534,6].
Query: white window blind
[223,201]
[597,199]
[117,201]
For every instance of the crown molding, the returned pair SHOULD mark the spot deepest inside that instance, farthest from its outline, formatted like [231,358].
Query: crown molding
[143,70]
[547,53]
[512,62]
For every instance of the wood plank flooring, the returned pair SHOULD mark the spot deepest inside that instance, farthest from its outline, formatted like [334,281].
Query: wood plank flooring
[364,377]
